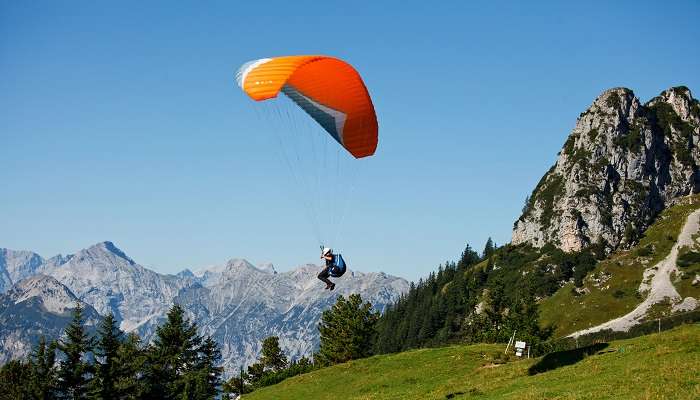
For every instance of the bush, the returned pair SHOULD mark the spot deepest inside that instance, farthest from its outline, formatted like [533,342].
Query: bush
[618,294]
[688,259]
[645,251]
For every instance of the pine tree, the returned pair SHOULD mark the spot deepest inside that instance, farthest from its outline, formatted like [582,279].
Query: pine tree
[489,248]
[170,355]
[208,369]
[347,330]
[272,357]
[131,362]
[497,303]
[468,258]
[15,380]
[43,367]
[256,372]
[106,368]
[237,385]
[526,206]
[181,364]
[524,317]
[75,372]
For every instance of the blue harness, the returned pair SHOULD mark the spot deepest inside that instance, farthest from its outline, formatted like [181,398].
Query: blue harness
[338,268]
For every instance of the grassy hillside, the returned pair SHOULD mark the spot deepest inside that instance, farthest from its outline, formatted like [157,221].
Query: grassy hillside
[661,366]
[610,290]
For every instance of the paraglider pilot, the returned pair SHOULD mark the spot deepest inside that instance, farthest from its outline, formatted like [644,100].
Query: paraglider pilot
[327,255]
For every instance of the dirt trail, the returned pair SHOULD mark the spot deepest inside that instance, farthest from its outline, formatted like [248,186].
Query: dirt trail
[660,287]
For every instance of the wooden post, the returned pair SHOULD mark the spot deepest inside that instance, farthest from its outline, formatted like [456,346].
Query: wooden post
[511,340]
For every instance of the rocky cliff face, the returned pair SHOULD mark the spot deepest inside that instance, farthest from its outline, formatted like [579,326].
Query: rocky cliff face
[622,164]
[35,307]
[16,265]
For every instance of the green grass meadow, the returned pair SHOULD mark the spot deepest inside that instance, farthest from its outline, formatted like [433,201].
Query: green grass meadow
[659,366]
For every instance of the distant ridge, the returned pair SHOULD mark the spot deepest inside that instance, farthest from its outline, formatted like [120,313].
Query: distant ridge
[237,303]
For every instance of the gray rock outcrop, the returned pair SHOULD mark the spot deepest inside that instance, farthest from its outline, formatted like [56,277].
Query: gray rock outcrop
[622,164]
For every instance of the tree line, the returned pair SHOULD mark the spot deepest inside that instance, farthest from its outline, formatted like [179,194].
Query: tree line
[482,297]
[179,364]
[347,332]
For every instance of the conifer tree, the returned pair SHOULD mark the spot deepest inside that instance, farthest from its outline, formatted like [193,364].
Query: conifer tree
[347,330]
[181,364]
[272,357]
[75,372]
[497,303]
[15,380]
[106,368]
[489,248]
[468,258]
[255,373]
[43,368]
[170,355]
[237,385]
[131,362]
[208,369]
[526,206]
[524,317]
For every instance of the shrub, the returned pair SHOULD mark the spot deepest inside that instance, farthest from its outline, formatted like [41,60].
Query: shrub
[645,251]
[688,259]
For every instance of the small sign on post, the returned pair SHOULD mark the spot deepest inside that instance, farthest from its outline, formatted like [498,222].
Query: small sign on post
[519,348]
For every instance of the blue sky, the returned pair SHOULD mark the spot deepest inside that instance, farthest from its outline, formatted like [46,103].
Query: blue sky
[123,122]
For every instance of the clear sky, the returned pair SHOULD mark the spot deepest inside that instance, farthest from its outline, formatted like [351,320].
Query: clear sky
[123,122]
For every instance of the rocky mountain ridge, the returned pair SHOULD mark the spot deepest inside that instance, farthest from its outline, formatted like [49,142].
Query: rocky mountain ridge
[34,307]
[621,165]
[237,303]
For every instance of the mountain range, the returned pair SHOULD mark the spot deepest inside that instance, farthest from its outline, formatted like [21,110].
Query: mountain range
[236,303]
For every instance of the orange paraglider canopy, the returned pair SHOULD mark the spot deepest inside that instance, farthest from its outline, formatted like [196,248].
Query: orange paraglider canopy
[328,89]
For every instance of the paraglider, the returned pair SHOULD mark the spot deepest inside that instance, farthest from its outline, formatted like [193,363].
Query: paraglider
[334,95]
[327,256]
[335,267]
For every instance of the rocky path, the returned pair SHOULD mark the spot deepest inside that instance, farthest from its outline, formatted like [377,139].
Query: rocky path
[660,287]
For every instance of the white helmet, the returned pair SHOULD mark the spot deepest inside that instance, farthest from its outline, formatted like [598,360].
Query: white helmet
[327,250]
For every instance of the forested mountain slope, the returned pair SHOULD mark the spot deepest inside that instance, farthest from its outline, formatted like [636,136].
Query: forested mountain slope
[586,247]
